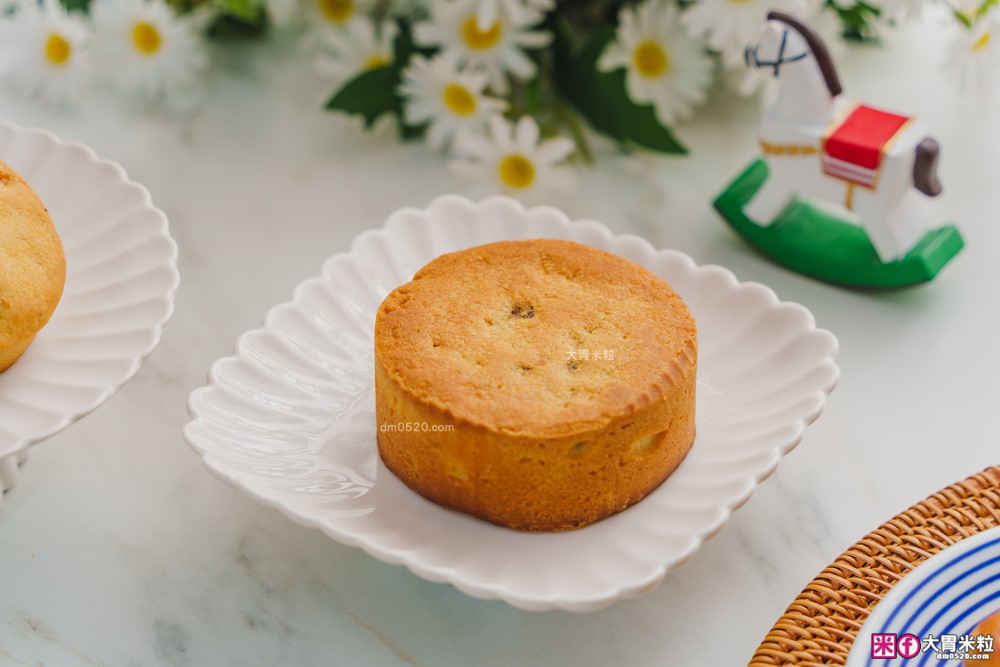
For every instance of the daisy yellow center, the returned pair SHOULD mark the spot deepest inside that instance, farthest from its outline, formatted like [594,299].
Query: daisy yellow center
[481,40]
[375,61]
[337,11]
[650,59]
[57,49]
[146,38]
[982,42]
[517,171]
[458,100]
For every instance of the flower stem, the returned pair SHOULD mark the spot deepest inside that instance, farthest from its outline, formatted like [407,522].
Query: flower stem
[572,123]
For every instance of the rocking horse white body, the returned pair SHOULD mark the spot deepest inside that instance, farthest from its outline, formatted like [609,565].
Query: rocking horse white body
[808,107]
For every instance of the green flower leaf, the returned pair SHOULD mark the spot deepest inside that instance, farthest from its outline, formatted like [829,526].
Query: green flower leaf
[76,5]
[986,7]
[226,28]
[369,95]
[601,97]
[374,93]
[248,11]
[857,19]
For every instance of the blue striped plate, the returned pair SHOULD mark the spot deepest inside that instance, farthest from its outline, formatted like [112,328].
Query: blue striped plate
[950,594]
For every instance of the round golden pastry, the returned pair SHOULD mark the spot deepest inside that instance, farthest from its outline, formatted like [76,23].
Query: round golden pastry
[541,385]
[32,266]
[989,626]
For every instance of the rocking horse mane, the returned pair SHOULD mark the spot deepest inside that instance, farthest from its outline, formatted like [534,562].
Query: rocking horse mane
[823,58]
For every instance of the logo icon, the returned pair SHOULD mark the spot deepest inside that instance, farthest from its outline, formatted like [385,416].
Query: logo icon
[908,646]
[884,645]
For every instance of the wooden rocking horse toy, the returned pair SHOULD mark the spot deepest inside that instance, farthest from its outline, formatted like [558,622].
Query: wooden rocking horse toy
[875,168]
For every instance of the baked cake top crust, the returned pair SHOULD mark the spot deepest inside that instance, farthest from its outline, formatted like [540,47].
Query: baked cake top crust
[538,338]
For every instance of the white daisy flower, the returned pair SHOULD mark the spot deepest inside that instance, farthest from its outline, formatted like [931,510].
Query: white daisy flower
[147,50]
[511,160]
[45,51]
[336,14]
[497,49]
[450,100]
[523,11]
[729,25]
[664,65]
[281,13]
[974,56]
[359,47]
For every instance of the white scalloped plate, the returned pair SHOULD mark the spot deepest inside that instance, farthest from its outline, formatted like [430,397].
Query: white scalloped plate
[121,276]
[290,419]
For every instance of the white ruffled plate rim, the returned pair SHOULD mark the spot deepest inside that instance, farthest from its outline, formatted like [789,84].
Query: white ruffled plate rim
[218,468]
[19,447]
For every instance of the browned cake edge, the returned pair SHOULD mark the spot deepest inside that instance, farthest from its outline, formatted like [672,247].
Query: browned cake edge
[533,484]
[27,303]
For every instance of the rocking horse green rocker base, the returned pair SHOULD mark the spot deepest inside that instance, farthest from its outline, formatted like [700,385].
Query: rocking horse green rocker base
[817,243]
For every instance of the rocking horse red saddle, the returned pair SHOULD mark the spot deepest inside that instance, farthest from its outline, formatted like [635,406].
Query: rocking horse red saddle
[853,148]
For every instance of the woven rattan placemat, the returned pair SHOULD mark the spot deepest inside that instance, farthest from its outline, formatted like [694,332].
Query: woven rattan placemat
[819,627]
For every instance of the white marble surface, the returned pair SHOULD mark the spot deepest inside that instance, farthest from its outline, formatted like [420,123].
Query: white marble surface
[117,548]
